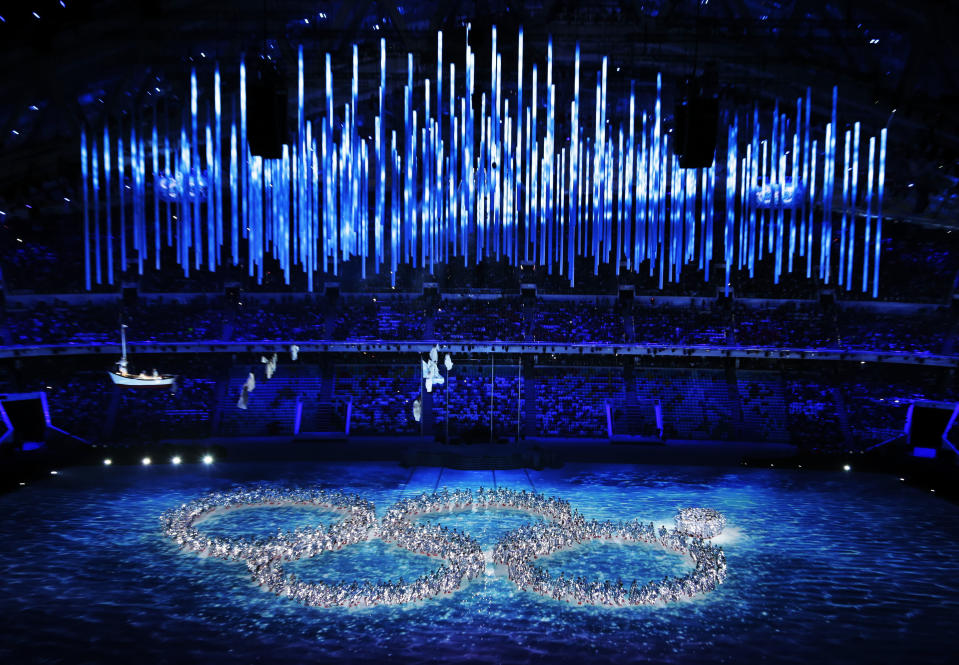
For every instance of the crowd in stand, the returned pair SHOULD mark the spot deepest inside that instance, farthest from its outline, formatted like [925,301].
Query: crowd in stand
[371,318]
[572,401]
[174,321]
[382,397]
[785,325]
[924,332]
[821,412]
[79,402]
[701,322]
[478,319]
[669,324]
[151,414]
[695,404]
[917,264]
[253,322]
[762,399]
[467,390]
[578,322]
[813,415]
[874,417]
[58,324]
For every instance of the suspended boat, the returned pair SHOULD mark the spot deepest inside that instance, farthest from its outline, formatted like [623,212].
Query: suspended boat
[122,377]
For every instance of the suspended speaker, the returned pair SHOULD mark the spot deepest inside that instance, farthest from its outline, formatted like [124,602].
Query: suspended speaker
[697,119]
[266,101]
[129,295]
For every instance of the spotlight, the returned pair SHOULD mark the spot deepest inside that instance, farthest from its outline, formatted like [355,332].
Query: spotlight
[902,480]
[846,467]
[208,459]
[145,461]
[176,460]
[53,473]
[107,462]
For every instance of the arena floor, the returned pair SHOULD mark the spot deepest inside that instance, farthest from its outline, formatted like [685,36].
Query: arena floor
[830,566]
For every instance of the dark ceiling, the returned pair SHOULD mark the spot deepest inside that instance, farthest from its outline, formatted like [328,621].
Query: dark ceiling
[71,62]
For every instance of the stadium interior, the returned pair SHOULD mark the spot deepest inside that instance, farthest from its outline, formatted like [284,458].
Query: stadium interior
[732,242]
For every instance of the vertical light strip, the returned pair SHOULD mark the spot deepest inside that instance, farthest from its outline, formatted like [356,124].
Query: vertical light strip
[754,236]
[85,177]
[807,177]
[825,228]
[575,184]
[811,200]
[656,177]
[795,207]
[518,187]
[850,246]
[244,165]
[195,172]
[121,182]
[234,196]
[868,230]
[107,186]
[642,198]
[845,209]
[155,153]
[880,187]
[168,171]
[730,198]
[210,207]
[95,167]
[764,213]
[217,171]
[710,209]
[628,216]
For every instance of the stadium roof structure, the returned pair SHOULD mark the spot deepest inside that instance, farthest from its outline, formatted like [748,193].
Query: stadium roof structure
[79,63]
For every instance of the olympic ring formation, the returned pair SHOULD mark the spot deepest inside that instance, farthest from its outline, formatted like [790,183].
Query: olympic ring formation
[565,528]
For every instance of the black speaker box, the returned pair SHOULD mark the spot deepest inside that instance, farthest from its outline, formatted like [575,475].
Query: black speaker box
[129,296]
[266,101]
[696,123]
[232,294]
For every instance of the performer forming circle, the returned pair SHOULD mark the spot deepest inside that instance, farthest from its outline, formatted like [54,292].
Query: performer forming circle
[359,517]
[464,559]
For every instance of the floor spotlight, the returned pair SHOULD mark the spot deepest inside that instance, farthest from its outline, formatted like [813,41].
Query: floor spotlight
[208,459]
[146,461]
[176,460]
[53,473]
[107,462]
[846,467]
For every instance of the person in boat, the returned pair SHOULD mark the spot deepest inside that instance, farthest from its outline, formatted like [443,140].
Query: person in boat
[122,369]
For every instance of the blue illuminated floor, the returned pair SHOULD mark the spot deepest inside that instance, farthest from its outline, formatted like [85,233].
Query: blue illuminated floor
[833,567]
